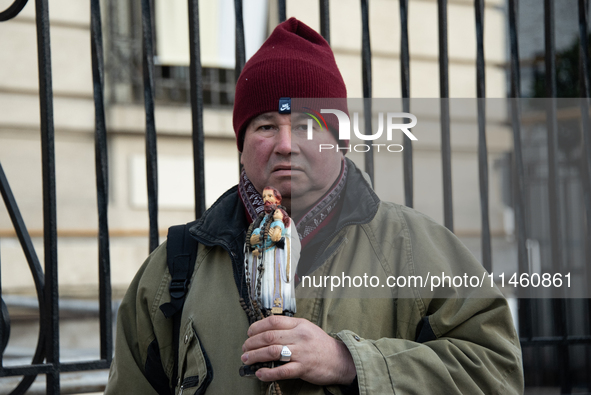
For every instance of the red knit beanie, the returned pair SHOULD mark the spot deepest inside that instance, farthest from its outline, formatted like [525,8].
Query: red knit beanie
[294,62]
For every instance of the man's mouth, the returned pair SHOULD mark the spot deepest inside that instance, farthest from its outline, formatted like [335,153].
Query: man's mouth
[285,169]
[281,167]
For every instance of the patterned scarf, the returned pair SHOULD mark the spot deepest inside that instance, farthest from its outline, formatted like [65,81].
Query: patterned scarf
[314,219]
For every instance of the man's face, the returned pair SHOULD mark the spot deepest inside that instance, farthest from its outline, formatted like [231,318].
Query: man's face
[278,155]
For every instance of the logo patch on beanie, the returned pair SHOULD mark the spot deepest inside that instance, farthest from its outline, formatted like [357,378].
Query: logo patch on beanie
[285,105]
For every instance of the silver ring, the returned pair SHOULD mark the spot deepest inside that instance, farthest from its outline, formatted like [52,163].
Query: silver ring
[285,354]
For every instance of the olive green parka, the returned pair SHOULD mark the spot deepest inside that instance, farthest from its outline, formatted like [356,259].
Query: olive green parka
[403,340]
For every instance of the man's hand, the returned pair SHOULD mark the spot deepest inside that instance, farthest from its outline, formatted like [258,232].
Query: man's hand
[315,356]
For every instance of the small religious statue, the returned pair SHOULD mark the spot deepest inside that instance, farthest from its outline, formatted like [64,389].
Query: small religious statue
[271,255]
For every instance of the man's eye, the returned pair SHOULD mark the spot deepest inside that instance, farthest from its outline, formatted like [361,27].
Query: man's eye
[266,130]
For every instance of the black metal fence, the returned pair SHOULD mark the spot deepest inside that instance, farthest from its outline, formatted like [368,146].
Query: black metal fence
[47,356]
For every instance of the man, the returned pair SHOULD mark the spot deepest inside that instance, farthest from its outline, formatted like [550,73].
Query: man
[412,341]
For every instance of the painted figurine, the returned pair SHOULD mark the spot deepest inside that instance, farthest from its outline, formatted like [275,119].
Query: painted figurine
[271,256]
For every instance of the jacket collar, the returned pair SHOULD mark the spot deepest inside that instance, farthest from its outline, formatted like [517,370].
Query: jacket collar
[225,223]
[360,203]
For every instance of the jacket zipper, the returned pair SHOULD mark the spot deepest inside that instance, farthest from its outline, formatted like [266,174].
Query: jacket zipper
[188,383]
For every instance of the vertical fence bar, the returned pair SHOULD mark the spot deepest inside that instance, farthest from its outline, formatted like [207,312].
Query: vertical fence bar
[559,305]
[197,107]
[282,10]
[552,131]
[366,76]
[51,316]
[445,121]
[405,85]
[324,20]
[585,102]
[525,324]
[240,50]
[586,155]
[151,154]
[240,46]
[102,182]
[482,149]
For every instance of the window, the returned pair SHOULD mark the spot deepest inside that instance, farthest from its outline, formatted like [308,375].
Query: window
[171,74]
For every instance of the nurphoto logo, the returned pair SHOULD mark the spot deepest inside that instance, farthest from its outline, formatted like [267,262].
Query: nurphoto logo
[345,129]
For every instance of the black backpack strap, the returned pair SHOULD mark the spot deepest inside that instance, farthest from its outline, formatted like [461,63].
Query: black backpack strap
[181,252]
[154,370]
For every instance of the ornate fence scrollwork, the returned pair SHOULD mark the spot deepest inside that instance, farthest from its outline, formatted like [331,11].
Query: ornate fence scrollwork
[12,11]
[38,278]
[4,326]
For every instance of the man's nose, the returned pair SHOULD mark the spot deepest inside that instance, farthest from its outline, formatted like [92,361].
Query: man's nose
[283,145]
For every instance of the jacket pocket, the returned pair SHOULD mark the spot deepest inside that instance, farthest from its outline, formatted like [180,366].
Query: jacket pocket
[195,372]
